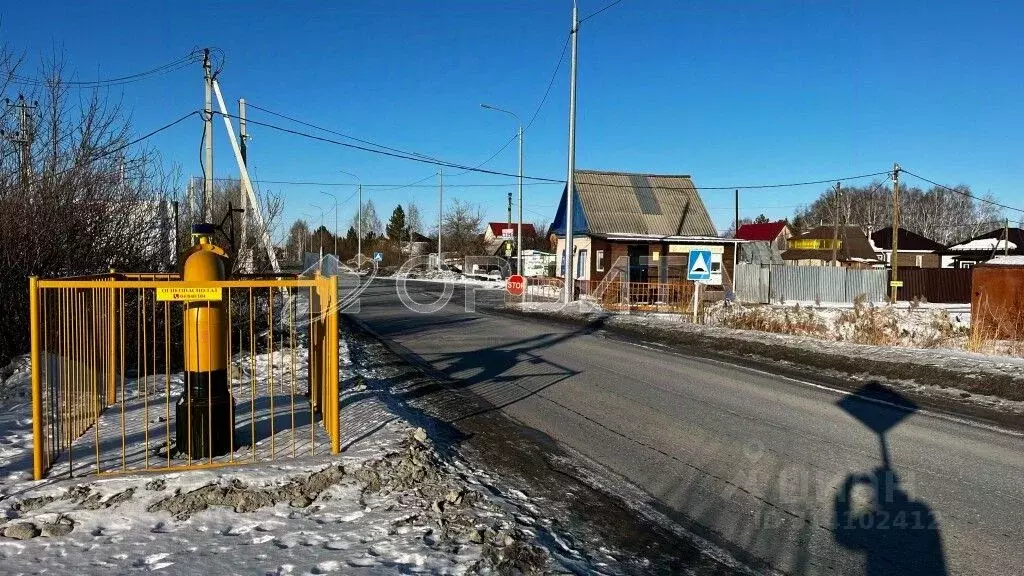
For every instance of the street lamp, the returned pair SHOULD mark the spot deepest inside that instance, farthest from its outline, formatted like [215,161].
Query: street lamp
[359,218]
[519,240]
[321,226]
[332,195]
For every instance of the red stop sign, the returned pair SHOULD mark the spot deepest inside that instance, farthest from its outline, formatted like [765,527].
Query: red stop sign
[515,285]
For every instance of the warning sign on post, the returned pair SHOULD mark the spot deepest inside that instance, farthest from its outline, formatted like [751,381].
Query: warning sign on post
[189,294]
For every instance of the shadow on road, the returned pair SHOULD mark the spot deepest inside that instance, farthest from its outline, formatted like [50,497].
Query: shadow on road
[873,512]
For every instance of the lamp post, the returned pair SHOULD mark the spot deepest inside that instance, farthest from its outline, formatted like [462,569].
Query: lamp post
[332,195]
[321,226]
[519,239]
[359,218]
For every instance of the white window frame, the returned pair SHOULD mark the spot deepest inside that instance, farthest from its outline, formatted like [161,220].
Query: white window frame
[599,260]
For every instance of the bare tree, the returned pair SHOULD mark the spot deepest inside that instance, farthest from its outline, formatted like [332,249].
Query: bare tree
[937,213]
[461,229]
[91,203]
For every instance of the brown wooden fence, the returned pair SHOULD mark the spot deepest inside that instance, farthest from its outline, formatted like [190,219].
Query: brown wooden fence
[939,285]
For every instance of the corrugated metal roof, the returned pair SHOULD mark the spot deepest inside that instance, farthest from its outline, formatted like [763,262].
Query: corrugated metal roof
[624,203]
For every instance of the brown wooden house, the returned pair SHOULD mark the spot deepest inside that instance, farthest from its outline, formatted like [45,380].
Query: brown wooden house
[643,225]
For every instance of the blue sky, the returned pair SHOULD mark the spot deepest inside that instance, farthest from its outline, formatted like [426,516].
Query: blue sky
[733,93]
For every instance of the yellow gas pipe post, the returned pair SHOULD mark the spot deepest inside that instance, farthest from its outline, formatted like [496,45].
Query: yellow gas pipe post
[205,411]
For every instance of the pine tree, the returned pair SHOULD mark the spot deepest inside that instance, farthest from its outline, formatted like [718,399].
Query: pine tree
[396,226]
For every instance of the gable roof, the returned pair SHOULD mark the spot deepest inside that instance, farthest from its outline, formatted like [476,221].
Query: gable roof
[631,203]
[497,227]
[854,246]
[972,247]
[768,231]
[907,240]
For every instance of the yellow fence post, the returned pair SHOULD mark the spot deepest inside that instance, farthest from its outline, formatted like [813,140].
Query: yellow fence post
[37,385]
[112,344]
[333,361]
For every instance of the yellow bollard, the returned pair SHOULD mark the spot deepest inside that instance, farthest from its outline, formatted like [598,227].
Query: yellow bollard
[205,411]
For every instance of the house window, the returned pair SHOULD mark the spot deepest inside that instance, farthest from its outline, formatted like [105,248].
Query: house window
[599,260]
[918,260]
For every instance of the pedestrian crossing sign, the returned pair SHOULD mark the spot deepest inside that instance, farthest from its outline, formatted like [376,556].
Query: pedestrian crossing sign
[699,267]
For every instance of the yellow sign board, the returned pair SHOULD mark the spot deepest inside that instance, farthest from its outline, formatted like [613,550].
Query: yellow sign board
[189,294]
[896,283]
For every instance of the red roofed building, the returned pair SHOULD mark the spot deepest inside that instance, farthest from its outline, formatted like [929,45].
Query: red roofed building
[493,238]
[776,233]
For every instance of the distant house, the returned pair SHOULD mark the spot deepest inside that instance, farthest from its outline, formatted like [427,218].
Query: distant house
[775,233]
[816,247]
[915,251]
[495,236]
[417,245]
[646,222]
[983,248]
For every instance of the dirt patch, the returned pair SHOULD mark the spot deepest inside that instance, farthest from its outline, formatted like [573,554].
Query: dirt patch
[245,498]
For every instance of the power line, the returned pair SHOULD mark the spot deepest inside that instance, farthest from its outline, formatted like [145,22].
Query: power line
[386,187]
[961,192]
[174,66]
[599,11]
[536,111]
[443,163]
[416,158]
[335,132]
[117,149]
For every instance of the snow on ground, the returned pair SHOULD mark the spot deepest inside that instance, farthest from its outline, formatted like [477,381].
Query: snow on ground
[446,277]
[389,503]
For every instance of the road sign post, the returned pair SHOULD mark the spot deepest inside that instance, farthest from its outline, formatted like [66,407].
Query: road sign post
[698,270]
[515,285]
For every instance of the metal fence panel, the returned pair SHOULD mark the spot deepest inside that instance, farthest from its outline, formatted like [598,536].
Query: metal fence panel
[941,285]
[870,283]
[751,283]
[824,283]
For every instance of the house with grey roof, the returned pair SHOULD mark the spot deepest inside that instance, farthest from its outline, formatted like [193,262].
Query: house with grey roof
[641,224]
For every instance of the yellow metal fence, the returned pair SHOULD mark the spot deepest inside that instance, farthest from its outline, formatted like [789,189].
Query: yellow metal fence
[108,363]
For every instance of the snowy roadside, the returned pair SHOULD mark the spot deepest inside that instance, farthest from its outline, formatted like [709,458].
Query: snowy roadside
[391,502]
[984,380]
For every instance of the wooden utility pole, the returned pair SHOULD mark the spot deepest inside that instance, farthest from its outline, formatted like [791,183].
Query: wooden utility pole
[1006,237]
[894,280]
[736,221]
[835,225]
[23,138]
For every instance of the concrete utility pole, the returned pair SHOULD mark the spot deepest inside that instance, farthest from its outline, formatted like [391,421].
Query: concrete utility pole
[570,178]
[243,137]
[895,231]
[835,225]
[440,212]
[335,197]
[359,224]
[519,236]
[207,138]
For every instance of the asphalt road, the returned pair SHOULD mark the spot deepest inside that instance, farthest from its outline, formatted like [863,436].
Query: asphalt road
[793,473]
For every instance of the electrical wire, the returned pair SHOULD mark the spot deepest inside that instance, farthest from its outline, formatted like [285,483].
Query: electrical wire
[335,132]
[446,164]
[112,151]
[599,11]
[180,63]
[536,111]
[383,187]
[961,192]
[417,158]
